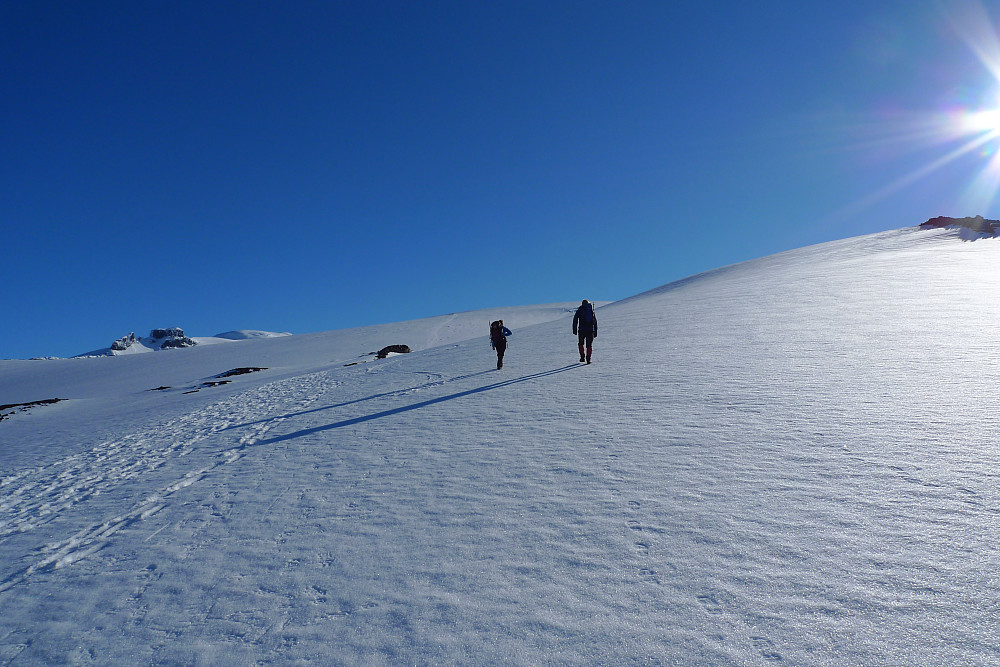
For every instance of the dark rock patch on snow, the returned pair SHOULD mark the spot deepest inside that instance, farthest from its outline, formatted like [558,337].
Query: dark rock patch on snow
[13,408]
[172,332]
[217,380]
[399,349]
[978,224]
[240,371]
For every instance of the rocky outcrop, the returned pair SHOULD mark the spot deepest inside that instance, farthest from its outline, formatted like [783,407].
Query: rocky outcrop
[159,339]
[171,338]
[124,343]
[398,349]
[12,408]
[171,343]
[978,224]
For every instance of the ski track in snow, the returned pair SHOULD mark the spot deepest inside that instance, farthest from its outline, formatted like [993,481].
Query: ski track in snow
[37,496]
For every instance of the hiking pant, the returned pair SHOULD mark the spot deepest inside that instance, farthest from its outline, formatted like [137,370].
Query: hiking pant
[501,348]
[588,340]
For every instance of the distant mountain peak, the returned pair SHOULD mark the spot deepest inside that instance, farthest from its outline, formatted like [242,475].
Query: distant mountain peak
[172,338]
[158,339]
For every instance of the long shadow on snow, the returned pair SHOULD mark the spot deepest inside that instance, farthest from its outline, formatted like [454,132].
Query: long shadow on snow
[407,408]
[394,392]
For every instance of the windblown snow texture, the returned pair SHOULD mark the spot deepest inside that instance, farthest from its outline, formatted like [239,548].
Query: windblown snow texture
[788,460]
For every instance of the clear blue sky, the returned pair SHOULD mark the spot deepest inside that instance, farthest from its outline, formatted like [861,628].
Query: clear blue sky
[306,166]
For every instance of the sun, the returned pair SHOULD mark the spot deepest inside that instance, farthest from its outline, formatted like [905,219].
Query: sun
[987,121]
[966,129]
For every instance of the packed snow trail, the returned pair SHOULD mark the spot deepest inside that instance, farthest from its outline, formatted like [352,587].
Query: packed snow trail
[34,497]
[217,437]
[168,457]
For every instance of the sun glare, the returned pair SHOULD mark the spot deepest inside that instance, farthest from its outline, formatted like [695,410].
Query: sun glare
[968,130]
[983,121]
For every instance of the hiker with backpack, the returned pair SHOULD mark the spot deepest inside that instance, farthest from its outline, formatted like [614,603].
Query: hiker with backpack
[585,326]
[498,340]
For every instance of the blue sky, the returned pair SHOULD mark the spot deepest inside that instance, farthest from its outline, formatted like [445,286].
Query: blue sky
[309,166]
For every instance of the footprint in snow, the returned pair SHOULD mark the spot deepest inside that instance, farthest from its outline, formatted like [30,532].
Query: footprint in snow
[766,648]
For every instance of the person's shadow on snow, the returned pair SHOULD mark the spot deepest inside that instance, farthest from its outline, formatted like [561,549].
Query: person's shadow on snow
[407,408]
[394,392]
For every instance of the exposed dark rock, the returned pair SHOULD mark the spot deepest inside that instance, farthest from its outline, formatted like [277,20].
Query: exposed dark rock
[173,343]
[12,408]
[400,349]
[240,371]
[172,332]
[172,338]
[124,342]
[218,381]
[163,339]
[978,224]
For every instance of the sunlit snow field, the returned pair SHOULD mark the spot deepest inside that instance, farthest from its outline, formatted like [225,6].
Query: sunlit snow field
[793,459]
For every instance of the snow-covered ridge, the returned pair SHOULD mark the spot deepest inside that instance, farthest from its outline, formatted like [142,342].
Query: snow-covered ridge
[249,334]
[158,339]
[173,338]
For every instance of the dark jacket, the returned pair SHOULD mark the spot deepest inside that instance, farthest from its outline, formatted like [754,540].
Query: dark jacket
[585,319]
[499,336]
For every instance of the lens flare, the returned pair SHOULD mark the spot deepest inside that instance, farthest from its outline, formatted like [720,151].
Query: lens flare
[968,131]
[973,24]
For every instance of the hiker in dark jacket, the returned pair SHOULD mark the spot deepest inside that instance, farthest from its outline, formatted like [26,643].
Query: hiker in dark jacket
[498,340]
[585,325]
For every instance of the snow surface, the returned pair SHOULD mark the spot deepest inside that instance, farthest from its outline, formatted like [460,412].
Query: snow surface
[244,334]
[787,460]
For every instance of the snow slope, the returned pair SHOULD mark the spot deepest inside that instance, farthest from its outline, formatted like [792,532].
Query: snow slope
[249,334]
[788,460]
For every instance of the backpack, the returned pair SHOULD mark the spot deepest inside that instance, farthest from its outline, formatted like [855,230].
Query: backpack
[496,332]
[587,314]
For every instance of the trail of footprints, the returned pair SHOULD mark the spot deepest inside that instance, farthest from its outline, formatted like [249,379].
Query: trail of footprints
[35,496]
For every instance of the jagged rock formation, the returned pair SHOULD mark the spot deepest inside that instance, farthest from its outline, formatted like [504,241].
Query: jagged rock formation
[158,339]
[173,337]
[124,342]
